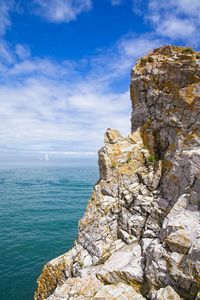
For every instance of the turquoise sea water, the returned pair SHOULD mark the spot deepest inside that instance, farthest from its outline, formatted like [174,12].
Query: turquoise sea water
[40,205]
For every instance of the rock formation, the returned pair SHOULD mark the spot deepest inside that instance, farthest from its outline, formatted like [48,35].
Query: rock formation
[140,235]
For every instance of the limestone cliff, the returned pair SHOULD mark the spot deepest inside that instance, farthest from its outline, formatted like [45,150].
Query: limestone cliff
[140,235]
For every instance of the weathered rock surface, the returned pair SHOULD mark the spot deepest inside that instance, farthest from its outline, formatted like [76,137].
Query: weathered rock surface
[140,235]
[166,293]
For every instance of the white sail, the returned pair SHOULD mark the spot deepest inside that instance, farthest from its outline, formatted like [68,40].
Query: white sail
[45,156]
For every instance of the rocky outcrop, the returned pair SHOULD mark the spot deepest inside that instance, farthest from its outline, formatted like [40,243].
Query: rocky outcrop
[140,235]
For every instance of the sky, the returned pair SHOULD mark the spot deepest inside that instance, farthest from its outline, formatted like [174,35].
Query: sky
[65,68]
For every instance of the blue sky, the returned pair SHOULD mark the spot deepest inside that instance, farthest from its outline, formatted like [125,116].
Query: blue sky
[65,67]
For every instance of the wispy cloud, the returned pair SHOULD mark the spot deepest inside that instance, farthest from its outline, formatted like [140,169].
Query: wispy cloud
[186,7]
[176,28]
[175,20]
[46,113]
[64,10]
[61,10]
[115,63]
[6,55]
[66,106]
[116,2]
[51,106]
[5,7]
[22,51]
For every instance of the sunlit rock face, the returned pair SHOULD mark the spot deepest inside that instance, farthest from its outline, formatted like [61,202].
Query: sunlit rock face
[140,235]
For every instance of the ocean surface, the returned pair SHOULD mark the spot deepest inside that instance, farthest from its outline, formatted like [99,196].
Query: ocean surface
[40,205]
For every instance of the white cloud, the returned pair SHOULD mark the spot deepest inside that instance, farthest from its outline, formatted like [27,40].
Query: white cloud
[36,114]
[176,28]
[5,53]
[135,47]
[176,20]
[49,106]
[5,7]
[22,51]
[61,10]
[187,7]
[36,65]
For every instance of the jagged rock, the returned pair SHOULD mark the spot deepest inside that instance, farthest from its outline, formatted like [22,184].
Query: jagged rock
[166,293]
[179,241]
[126,237]
[119,291]
[124,265]
[77,288]
[112,136]
[141,227]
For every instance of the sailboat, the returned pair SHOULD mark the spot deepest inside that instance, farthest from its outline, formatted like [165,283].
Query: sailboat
[45,157]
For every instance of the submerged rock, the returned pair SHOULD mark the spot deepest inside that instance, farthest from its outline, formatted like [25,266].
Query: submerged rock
[140,235]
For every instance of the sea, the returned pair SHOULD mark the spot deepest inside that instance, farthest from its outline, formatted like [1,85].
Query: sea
[41,203]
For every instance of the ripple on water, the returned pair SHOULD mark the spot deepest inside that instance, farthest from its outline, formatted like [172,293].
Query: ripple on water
[39,211]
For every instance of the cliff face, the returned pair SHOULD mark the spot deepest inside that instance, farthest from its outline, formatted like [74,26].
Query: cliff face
[140,235]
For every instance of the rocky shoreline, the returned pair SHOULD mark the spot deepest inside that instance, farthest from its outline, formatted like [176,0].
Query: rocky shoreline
[140,235]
